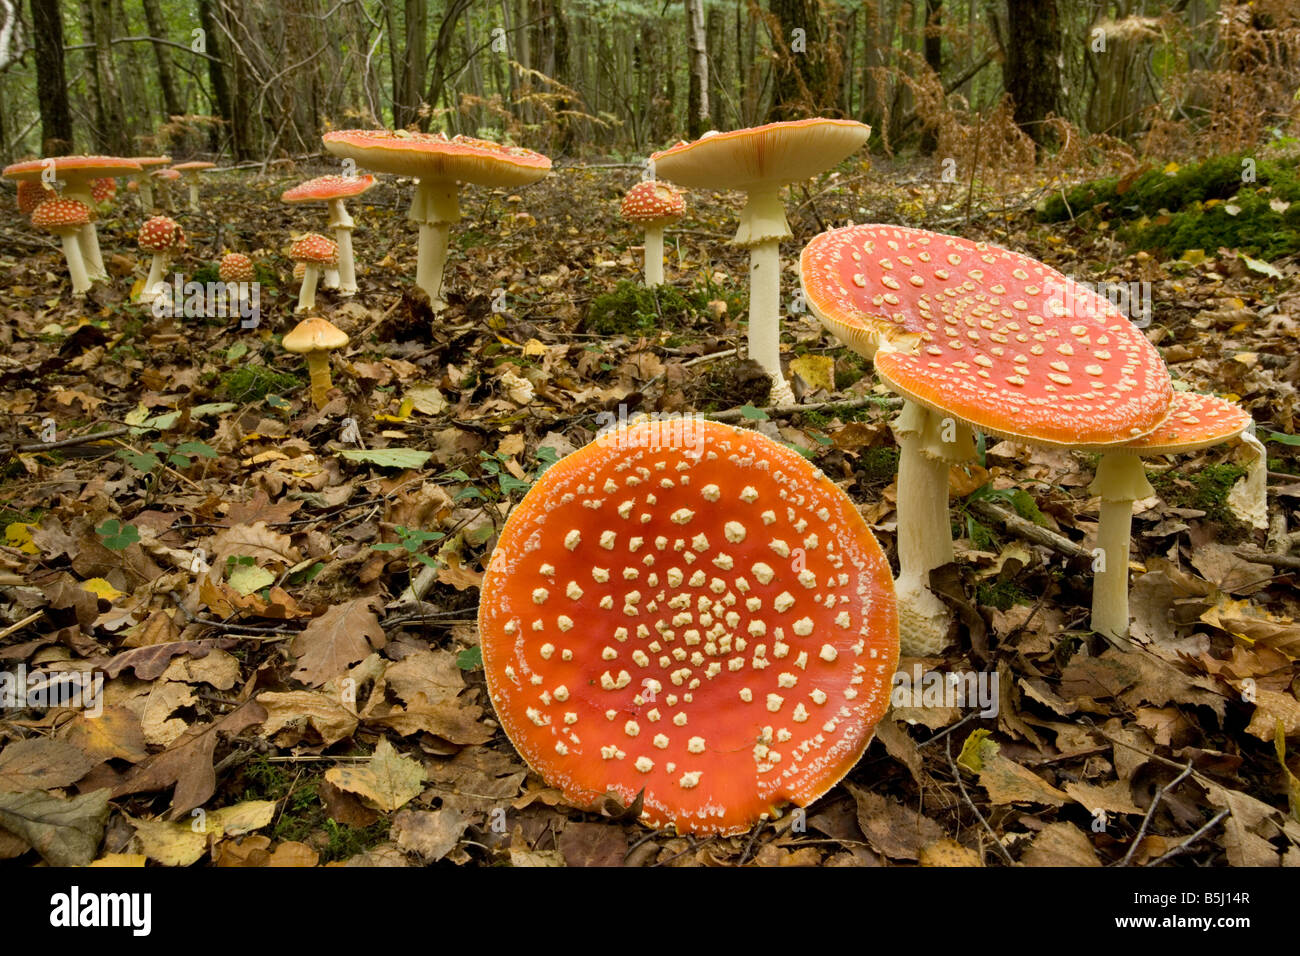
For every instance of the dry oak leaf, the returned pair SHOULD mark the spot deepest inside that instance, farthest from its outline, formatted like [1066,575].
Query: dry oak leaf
[1060,844]
[63,832]
[429,834]
[292,711]
[114,734]
[336,640]
[948,852]
[1005,780]
[1272,708]
[255,541]
[151,661]
[171,844]
[42,764]
[187,763]
[431,673]
[1249,826]
[593,844]
[388,781]
[892,829]
[1112,798]
[453,722]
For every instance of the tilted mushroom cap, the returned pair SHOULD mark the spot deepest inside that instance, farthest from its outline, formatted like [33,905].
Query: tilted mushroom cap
[73,169]
[695,610]
[653,203]
[314,335]
[103,189]
[54,214]
[31,193]
[1195,421]
[236,267]
[989,336]
[161,234]
[774,154]
[149,162]
[324,188]
[433,156]
[315,249]
[194,167]
[168,174]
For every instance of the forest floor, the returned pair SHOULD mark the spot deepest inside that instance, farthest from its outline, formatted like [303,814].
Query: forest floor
[227,569]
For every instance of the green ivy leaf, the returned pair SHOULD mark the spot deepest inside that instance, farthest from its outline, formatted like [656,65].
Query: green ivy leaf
[117,536]
[470,659]
[751,413]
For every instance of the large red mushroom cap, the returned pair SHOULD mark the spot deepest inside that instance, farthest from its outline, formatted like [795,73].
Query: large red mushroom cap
[55,215]
[76,170]
[433,156]
[652,203]
[695,611]
[168,175]
[314,249]
[325,188]
[989,336]
[161,234]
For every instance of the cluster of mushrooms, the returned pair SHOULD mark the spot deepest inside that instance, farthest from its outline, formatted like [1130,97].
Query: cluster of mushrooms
[693,614]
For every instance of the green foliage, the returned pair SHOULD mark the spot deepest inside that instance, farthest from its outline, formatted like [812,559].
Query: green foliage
[117,536]
[470,659]
[179,456]
[205,274]
[252,383]
[1001,594]
[632,309]
[1205,489]
[1201,206]
[878,464]
[413,540]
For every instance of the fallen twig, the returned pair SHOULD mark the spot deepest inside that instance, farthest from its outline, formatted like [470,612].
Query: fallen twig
[783,411]
[1028,530]
[1151,812]
[956,773]
[1182,847]
[86,439]
[1255,556]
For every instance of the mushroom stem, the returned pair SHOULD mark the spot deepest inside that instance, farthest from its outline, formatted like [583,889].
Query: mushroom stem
[157,266]
[929,445]
[765,316]
[1121,480]
[307,291]
[434,237]
[145,192]
[76,265]
[194,193]
[88,237]
[318,367]
[347,270]
[654,256]
[331,278]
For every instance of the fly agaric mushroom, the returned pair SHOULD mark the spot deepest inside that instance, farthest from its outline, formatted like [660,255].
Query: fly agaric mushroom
[972,335]
[163,237]
[1194,422]
[315,252]
[653,205]
[77,174]
[31,194]
[102,191]
[441,165]
[142,181]
[334,189]
[236,267]
[191,173]
[760,161]
[315,338]
[692,610]
[65,218]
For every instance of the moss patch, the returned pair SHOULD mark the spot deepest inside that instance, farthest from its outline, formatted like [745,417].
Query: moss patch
[252,383]
[632,309]
[1205,490]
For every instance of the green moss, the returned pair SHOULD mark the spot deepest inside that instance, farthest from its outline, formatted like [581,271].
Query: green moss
[1001,595]
[879,464]
[850,367]
[252,383]
[205,274]
[632,309]
[1215,178]
[1205,489]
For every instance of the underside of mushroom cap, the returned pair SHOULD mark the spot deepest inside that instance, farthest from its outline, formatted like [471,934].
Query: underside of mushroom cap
[692,610]
[992,337]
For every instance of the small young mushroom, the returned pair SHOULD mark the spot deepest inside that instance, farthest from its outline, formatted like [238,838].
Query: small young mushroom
[142,182]
[653,205]
[65,217]
[334,189]
[236,267]
[692,612]
[315,252]
[1194,422]
[315,338]
[191,173]
[163,237]
[102,191]
[31,193]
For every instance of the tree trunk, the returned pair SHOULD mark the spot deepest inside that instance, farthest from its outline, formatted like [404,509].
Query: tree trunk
[934,60]
[172,105]
[409,83]
[716,40]
[1031,72]
[806,67]
[51,85]
[441,52]
[113,116]
[697,96]
[225,104]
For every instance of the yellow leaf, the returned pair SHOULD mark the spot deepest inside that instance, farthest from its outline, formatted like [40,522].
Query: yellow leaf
[19,535]
[1194,257]
[974,749]
[817,370]
[120,860]
[534,347]
[403,412]
[101,589]
[1171,169]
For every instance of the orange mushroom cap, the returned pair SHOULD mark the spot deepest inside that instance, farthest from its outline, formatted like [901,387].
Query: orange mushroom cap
[1195,421]
[315,249]
[236,267]
[989,336]
[324,188]
[653,203]
[103,189]
[694,610]
[433,156]
[161,234]
[31,193]
[56,214]
[194,167]
[73,169]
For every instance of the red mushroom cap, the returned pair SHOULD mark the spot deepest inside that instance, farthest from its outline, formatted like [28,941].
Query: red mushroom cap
[433,156]
[324,188]
[653,203]
[693,610]
[194,167]
[73,169]
[31,193]
[161,234]
[236,267]
[149,162]
[1195,421]
[989,336]
[168,174]
[315,249]
[103,190]
[56,214]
